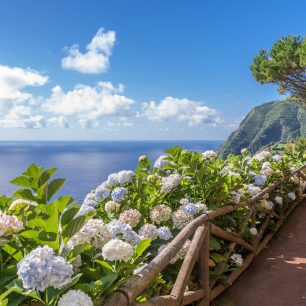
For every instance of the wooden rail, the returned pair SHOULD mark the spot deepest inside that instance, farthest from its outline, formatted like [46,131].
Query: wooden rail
[200,229]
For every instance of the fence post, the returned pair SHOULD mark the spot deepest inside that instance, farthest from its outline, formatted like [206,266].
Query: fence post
[204,268]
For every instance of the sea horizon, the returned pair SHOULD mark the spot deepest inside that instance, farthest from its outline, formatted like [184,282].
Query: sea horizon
[84,163]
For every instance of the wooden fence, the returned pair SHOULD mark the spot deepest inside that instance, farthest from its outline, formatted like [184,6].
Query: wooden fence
[200,230]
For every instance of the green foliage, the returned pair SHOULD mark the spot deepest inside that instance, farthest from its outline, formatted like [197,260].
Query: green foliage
[265,125]
[284,65]
[53,221]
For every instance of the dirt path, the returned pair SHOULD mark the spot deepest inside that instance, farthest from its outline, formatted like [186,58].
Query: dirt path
[277,277]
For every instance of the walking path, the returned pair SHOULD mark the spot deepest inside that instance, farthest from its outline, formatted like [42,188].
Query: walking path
[277,277]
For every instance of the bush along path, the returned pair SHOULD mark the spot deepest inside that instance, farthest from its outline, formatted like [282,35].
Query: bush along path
[178,231]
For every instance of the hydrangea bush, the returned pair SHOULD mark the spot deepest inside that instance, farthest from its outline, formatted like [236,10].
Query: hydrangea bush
[57,252]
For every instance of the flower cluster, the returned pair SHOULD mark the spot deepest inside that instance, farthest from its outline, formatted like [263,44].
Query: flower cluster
[209,154]
[75,298]
[9,224]
[117,249]
[41,269]
[170,182]
[118,194]
[130,216]
[160,213]
[161,162]
[94,232]
[237,259]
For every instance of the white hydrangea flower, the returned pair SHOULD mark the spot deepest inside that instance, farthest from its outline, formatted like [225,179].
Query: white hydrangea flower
[160,213]
[94,232]
[125,176]
[267,204]
[170,182]
[19,204]
[180,218]
[142,158]
[253,231]
[228,172]
[201,207]
[278,200]
[164,233]
[41,269]
[112,179]
[253,190]
[262,156]
[148,231]
[75,298]
[291,196]
[117,249]
[161,162]
[111,206]
[267,171]
[244,150]
[209,154]
[237,259]
[9,224]
[277,158]
[131,216]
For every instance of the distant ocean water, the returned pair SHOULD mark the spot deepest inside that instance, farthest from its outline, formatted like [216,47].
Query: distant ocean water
[85,164]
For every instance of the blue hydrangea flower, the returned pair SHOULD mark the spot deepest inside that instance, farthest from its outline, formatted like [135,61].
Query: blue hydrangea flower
[41,269]
[112,179]
[118,194]
[101,193]
[191,209]
[164,233]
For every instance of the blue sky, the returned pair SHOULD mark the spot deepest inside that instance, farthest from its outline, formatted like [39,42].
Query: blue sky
[135,69]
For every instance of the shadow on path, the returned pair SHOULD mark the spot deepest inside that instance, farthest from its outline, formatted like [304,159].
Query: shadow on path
[277,277]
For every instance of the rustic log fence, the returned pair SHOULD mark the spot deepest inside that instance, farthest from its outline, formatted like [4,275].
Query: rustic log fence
[200,229]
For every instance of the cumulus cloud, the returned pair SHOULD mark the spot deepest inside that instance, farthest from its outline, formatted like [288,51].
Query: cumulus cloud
[58,122]
[183,110]
[12,82]
[89,103]
[96,58]
[20,116]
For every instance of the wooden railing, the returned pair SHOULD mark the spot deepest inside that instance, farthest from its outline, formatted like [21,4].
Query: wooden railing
[200,230]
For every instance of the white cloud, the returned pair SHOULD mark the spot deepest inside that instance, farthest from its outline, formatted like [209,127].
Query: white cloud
[88,102]
[96,58]
[12,82]
[183,110]
[58,122]
[20,116]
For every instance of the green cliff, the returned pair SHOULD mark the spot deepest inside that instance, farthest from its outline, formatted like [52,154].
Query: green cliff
[279,121]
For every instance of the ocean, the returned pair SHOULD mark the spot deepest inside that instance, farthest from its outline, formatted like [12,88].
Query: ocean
[84,164]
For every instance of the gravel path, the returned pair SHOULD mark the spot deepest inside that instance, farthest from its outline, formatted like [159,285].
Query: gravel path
[277,277]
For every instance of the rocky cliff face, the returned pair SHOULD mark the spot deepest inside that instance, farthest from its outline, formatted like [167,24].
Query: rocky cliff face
[279,121]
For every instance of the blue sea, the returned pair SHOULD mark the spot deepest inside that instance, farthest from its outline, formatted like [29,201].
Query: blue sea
[85,164]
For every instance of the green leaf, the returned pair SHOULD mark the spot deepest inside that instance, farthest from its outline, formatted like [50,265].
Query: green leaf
[33,172]
[142,246]
[45,176]
[105,266]
[74,226]
[4,302]
[214,244]
[217,257]
[69,214]
[22,181]
[7,292]
[30,234]
[24,194]
[53,187]
[107,281]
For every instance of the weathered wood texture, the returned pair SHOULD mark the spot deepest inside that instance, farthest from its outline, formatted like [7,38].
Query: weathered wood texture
[200,230]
